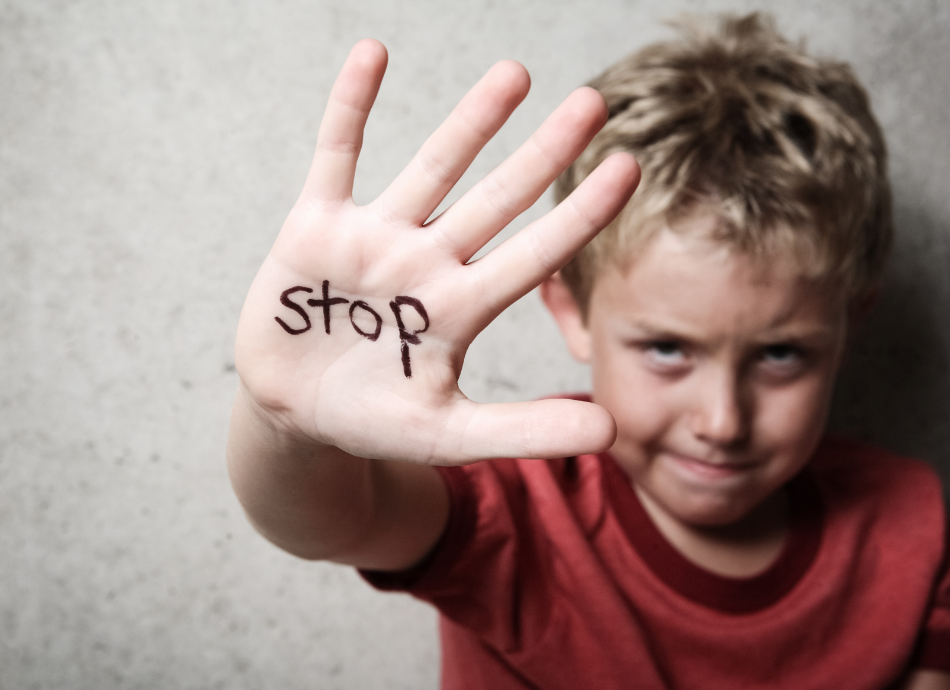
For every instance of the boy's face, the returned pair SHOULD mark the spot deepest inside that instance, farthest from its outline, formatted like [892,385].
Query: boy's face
[717,369]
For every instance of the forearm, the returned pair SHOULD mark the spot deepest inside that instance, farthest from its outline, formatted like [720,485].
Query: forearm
[384,383]
[318,502]
[928,680]
[309,499]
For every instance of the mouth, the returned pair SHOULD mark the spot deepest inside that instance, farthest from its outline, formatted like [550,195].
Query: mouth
[694,468]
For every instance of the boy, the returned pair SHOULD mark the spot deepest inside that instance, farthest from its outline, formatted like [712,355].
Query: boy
[693,530]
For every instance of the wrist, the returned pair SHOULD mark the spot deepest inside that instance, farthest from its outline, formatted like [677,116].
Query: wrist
[273,428]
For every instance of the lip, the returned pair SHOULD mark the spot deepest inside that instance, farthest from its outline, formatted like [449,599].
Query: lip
[694,468]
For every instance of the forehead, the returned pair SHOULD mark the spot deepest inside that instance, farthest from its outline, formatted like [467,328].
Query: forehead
[684,280]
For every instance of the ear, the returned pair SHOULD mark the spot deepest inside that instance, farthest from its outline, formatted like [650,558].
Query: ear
[560,302]
[861,306]
[858,310]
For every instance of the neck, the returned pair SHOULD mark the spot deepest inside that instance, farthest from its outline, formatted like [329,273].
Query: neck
[740,549]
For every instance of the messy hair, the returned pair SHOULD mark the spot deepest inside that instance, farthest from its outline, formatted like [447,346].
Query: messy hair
[780,145]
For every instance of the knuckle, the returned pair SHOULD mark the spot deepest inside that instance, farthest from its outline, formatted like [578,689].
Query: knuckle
[582,215]
[479,132]
[548,152]
[542,253]
[338,146]
[497,196]
[435,167]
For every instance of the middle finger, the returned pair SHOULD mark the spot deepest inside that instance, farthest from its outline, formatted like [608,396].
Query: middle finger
[521,179]
[446,155]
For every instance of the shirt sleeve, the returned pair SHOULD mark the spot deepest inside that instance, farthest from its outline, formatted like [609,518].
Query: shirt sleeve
[934,649]
[486,573]
[459,530]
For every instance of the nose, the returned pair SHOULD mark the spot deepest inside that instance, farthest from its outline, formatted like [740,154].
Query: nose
[721,414]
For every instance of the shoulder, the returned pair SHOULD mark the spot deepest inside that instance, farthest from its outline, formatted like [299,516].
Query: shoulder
[884,514]
[856,469]
[881,498]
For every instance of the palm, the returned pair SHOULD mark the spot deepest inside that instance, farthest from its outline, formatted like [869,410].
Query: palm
[399,296]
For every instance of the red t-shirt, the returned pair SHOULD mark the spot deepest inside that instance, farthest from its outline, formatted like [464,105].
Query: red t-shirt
[551,575]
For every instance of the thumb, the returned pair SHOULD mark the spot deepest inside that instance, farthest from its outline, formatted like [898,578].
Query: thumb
[540,429]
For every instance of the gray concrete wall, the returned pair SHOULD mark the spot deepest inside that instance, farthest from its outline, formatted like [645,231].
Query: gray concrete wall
[148,154]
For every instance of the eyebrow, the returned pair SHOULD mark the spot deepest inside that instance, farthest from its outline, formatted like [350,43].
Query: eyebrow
[672,331]
[658,330]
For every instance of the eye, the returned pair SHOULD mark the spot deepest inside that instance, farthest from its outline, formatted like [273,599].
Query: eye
[783,357]
[665,352]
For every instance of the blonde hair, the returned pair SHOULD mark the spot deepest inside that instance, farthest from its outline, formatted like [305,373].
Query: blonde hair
[783,147]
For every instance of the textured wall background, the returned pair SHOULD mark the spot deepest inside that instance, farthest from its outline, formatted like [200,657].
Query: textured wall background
[148,154]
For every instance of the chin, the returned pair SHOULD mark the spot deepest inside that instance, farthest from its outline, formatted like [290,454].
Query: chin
[707,511]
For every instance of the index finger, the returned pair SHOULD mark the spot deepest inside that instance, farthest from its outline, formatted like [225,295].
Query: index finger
[341,131]
[530,256]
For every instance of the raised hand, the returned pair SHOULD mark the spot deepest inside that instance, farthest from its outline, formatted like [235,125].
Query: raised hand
[354,331]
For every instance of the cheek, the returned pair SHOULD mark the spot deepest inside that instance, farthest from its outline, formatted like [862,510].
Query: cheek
[642,408]
[795,417]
